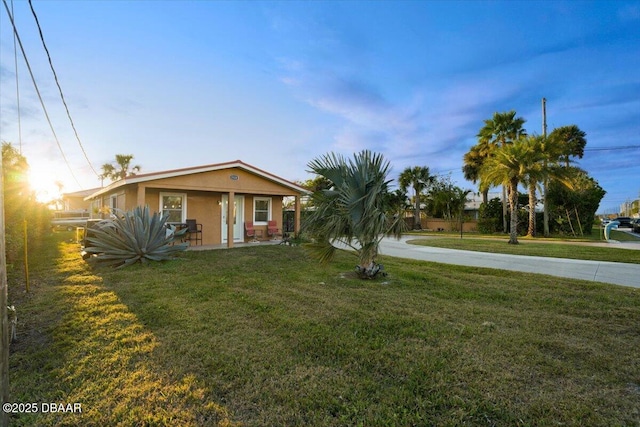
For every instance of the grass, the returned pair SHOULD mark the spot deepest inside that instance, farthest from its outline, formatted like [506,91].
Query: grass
[266,336]
[555,248]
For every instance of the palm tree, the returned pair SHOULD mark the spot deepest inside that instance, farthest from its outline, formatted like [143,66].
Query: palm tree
[508,166]
[571,141]
[535,171]
[500,130]
[354,211]
[124,162]
[122,169]
[473,160]
[419,178]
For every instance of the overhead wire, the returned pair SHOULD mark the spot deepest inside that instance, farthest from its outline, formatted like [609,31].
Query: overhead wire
[620,147]
[33,79]
[15,60]
[55,76]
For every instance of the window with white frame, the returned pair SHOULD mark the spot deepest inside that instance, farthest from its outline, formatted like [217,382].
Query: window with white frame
[175,206]
[261,210]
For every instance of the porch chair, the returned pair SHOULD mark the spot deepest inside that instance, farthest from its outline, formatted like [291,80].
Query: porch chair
[272,229]
[252,232]
[194,232]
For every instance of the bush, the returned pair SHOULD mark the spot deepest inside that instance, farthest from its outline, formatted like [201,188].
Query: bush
[135,236]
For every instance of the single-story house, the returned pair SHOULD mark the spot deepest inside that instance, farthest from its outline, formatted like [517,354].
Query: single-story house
[203,193]
[76,201]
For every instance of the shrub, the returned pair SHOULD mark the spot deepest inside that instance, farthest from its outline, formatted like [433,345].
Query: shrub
[135,236]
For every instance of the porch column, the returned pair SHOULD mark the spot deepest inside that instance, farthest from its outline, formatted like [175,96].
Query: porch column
[231,199]
[297,214]
[141,196]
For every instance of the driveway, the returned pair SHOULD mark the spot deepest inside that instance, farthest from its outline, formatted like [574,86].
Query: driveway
[598,271]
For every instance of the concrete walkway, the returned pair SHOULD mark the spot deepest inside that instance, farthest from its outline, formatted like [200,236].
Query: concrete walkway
[599,271]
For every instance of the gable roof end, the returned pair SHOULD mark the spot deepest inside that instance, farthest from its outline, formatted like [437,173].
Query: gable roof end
[194,170]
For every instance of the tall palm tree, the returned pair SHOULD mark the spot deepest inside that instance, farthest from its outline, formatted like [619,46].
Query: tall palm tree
[535,172]
[500,130]
[507,166]
[419,178]
[355,210]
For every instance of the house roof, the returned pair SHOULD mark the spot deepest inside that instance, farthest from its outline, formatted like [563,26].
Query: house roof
[81,193]
[134,179]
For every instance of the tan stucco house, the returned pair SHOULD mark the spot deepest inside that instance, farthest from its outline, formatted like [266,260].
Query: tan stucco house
[203,193]
[76,201]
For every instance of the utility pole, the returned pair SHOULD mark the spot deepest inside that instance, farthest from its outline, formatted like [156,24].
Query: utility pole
[544,117]
[545,184]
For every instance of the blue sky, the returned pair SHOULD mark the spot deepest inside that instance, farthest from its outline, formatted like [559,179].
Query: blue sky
[275,84]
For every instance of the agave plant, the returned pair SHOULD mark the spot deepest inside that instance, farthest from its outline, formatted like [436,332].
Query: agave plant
[135,236]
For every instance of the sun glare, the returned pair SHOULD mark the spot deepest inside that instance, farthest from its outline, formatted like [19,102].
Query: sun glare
[44,184]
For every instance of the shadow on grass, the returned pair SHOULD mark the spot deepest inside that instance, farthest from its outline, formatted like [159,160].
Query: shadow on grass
[79,344]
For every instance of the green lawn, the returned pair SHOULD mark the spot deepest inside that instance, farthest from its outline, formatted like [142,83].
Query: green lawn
[266,336]
[533,247]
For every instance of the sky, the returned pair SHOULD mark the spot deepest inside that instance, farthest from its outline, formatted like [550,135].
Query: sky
[277,84]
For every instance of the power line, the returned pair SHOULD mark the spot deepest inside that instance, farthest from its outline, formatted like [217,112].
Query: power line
[15,60]
[15,31]
[620,147]
[60,89]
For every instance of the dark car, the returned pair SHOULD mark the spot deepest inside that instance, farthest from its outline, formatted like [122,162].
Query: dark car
[635,224]
[624,221]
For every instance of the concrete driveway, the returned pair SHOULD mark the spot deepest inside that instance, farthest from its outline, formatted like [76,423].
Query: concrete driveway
[598,271]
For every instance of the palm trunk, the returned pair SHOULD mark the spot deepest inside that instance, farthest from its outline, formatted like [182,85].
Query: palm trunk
[531,232]
[513,201]
[417,225]
[545,201]
[504,209]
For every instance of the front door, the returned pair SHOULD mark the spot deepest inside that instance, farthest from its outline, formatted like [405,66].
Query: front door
[238,218]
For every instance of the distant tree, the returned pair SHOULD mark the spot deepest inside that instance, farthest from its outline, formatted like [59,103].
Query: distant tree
[473,160]
[355,211]
[446,200]
[121,169]
[570,140]
[573,207]
[562,143]
[490,216]
[418,178]
[316,184]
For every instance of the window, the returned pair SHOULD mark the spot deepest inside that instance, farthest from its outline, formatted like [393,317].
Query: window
[113,202]
[261,210]
[174,205]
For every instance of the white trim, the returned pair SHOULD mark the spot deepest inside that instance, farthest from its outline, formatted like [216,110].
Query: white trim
[270,201]
[184,203]
[238,229]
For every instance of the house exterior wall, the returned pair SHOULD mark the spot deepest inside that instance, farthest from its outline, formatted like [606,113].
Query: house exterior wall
[76,204]
[223,181]
[203,198]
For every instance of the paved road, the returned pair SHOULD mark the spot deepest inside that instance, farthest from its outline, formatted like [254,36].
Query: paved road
[598,271]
